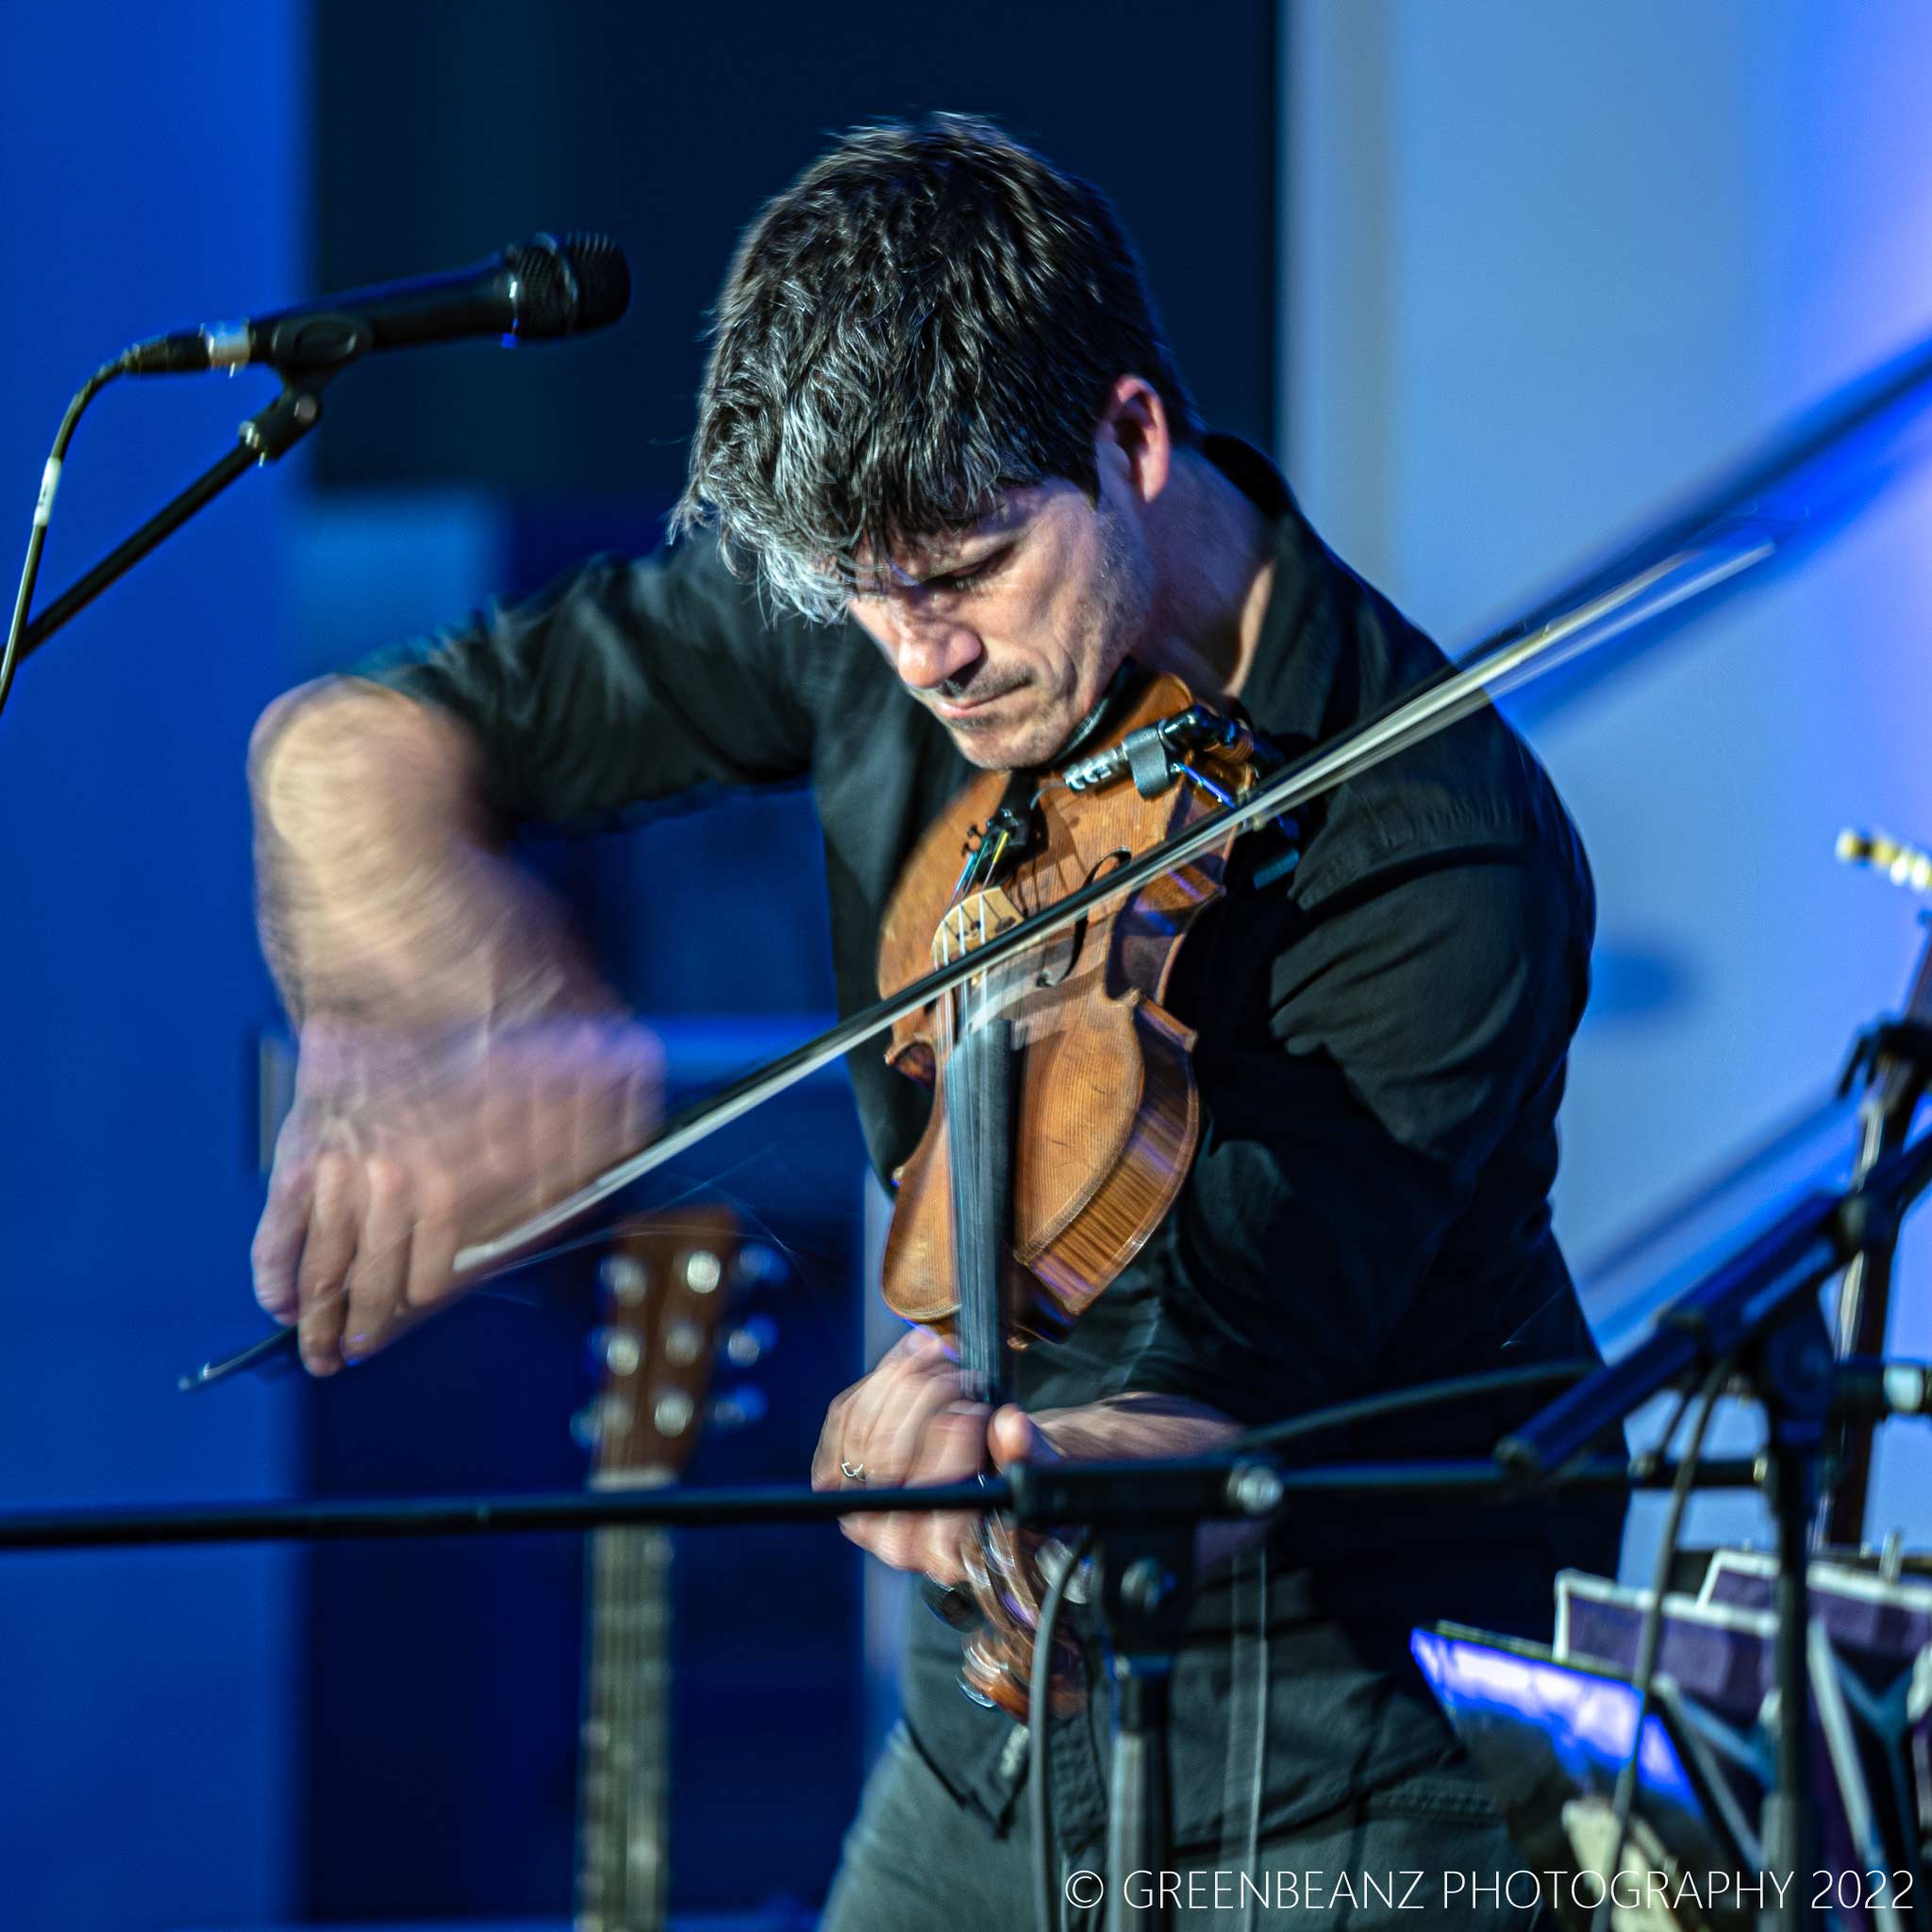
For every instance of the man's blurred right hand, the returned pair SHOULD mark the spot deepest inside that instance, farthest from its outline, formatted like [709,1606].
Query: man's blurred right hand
[404,1146]
[461,1065]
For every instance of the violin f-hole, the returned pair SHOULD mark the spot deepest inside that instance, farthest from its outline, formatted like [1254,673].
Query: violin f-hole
[1052,973]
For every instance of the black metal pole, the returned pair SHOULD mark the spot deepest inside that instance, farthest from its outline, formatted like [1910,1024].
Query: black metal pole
[1788,1263]
[1146,1591]
[1897,1061]
[1741,1301]
[1762,1306]
[671,1507]
[119,561]
[1137,1831]
[1787,1820]
[1794,1374]
[1111,1493]
[270,433]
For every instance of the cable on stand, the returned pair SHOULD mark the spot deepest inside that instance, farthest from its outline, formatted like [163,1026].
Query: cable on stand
[264,436]
[1642,1679]
[43,513]
[1762,1308]
[1895,1057]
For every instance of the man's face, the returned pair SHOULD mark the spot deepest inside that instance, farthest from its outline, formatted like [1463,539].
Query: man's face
[1009,633]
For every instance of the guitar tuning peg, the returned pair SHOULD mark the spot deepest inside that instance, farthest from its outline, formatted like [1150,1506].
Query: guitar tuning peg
[684,1341]
[758,1264]
[616,1350]
[738,1408]
[601,1419]
[624,1279]
[751,1340]
[672,1412]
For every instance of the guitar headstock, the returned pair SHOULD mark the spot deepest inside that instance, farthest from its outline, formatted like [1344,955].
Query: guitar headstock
[672,1285]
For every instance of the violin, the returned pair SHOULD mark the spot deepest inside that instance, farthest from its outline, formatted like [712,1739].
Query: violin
[1065,1114]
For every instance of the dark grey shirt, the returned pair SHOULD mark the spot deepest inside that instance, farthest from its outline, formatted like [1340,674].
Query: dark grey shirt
[1382,1039]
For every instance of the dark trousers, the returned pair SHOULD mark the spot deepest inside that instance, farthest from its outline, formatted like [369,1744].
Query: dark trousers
[1425,1852]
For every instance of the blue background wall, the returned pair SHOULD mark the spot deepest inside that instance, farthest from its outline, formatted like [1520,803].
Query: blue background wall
[1549,267]
[147,167]
[1537,269]
[383,1731]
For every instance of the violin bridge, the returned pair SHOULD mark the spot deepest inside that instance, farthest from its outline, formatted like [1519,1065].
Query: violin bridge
[970,921]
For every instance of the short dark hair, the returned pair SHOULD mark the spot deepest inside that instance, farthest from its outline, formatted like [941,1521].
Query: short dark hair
[929,315]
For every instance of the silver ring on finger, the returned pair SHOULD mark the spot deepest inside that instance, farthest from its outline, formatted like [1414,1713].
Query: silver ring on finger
[853,1472]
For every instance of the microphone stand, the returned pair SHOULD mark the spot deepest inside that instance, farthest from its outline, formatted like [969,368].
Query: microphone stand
[1895,1057]
[265,436]
[1061,1494]
[1146,1588]
[1147,1512]
[1762,1307]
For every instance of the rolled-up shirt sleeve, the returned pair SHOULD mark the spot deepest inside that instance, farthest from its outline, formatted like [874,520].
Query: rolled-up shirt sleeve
[627,683]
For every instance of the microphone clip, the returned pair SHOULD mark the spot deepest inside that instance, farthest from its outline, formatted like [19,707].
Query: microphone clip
[271,433]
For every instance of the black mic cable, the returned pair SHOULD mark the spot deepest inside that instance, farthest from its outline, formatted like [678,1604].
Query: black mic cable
[43,513]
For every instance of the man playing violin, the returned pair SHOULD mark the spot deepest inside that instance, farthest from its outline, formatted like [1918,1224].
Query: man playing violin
[946,482]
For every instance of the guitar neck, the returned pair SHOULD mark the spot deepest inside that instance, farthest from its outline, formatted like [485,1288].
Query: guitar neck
[667,1281]
[624,1761]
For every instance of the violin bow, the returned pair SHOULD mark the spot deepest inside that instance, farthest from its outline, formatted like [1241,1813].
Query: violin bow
[1743,523]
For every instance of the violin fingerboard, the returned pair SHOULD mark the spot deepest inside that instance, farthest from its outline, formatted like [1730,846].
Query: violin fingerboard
[979,1133]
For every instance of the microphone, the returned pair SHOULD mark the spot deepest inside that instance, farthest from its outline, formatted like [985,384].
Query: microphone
[532,291]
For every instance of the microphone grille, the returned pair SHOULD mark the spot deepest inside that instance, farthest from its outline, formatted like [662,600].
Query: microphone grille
[603,278]
[545,297]
[577,283]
